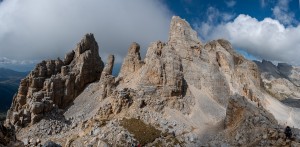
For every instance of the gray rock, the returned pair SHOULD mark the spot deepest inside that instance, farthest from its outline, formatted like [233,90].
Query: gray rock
[96,131]
[26,141]
[37,107]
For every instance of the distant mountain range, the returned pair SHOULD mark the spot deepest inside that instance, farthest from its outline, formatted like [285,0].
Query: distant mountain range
[9,83]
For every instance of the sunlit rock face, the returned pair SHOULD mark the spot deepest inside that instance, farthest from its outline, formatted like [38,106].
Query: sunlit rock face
[56,83]
[184,93]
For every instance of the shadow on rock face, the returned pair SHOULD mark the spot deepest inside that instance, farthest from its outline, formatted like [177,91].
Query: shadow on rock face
[292,102]
[51,144]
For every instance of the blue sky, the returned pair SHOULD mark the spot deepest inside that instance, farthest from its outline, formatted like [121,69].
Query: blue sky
[198,10]
[35,30]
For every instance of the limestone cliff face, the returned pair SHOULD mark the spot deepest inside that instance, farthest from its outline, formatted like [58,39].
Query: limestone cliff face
[170,68]
[181,33]
[56,83]
[184,93]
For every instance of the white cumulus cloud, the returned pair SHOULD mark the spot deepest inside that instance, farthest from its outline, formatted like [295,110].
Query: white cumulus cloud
[47,29]
[267,39]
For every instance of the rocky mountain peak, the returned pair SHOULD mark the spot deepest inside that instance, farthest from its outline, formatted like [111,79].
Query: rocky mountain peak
[132,61]
[183,93]
[54,84]
[181,31]
[134,50]
[88,42]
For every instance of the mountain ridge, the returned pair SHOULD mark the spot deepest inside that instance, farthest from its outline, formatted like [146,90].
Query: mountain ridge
[281,75]
[187,93]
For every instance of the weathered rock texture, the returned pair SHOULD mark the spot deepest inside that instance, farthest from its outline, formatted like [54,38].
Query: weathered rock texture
[184,93]
[132,61]
[248,125]
[107,80]
[169,68]
[56,83]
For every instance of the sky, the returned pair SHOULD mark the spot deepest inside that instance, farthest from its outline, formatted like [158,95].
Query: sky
[35,30]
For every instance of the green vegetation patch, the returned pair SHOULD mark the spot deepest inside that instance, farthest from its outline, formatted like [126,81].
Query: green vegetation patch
[144,133]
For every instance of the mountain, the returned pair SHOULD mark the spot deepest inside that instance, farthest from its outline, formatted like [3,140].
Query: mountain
[184,93]
[9,83]
[11,76]
[281,81]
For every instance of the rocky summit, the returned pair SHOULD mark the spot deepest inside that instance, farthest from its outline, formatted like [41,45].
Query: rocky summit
[56,83]
[183,93]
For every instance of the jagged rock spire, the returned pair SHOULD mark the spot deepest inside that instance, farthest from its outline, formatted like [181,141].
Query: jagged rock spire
[132,61]
[181,31]
[56,83]
[88,42]
[108,66]
[107,80]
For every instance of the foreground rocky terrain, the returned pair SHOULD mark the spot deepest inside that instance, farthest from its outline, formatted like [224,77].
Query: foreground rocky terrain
[184,93]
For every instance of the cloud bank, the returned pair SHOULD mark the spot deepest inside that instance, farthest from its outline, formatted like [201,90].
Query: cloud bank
[267,39]
[47,29]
